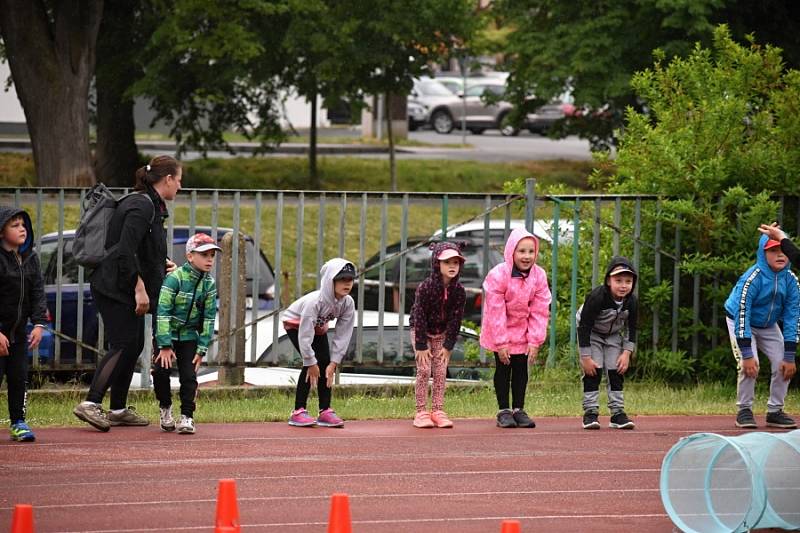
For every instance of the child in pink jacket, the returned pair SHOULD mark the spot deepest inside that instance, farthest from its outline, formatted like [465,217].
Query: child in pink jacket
[515,315]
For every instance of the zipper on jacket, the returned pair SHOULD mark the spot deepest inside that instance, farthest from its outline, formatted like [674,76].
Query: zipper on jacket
[18,259]
[772,303]
[191,304]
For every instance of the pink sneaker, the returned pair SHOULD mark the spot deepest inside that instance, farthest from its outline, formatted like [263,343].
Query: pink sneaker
[423,420]
[301,418]
[328,419]
[440,419]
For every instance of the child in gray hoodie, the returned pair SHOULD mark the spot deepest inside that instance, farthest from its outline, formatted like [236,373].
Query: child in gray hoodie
[306,324]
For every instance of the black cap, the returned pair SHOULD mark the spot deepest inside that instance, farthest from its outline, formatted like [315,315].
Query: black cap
[348,271]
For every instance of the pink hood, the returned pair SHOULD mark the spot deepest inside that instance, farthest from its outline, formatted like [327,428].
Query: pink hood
[516,306]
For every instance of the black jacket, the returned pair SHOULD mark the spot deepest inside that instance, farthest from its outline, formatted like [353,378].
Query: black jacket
[599,312]
[142,250]
[791,251]
[21,284]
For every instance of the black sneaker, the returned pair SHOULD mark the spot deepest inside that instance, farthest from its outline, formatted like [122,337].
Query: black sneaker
[621,421]
[779,419]
[745,419]
[505,419]
[590,420]
[523,420]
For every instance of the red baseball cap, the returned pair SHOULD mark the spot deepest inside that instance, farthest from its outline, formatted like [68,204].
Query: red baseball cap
[771,244]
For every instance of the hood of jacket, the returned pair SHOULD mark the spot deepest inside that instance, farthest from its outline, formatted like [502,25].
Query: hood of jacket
[761,259]
[513,240]
[7,213]
[331,267]
[621,261]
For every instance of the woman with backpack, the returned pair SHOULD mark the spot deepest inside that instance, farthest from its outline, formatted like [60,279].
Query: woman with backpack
[125,286]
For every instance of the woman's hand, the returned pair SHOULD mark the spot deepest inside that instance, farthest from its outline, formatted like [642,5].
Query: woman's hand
[141,298]
[4,344]
[35,337]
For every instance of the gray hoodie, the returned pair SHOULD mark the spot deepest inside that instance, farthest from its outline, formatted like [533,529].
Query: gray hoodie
[312,312]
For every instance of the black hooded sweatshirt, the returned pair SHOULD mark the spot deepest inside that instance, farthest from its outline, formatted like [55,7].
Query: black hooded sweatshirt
[22,294]
[600,313]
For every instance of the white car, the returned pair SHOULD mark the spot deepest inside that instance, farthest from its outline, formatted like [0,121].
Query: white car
[475,230]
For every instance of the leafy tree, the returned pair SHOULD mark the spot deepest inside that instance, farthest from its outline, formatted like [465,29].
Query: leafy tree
[594,48]
[50,47]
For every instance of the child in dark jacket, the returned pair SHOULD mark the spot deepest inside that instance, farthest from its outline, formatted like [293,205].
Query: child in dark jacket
[187,306]
[435,321]
[606,340]
[765,293]
[21,299]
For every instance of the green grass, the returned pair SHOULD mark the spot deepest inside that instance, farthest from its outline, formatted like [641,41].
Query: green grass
[545,398]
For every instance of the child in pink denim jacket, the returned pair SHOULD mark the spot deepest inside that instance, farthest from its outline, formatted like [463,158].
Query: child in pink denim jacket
[515,315]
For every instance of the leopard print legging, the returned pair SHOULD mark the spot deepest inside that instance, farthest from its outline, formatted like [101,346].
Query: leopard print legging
[436,366]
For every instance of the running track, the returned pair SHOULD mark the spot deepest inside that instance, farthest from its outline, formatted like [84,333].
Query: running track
[556,477]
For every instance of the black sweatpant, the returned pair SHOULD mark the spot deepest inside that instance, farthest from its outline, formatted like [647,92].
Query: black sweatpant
[323,354]
[515,374]
[184,352]
[14,367]
[125,332]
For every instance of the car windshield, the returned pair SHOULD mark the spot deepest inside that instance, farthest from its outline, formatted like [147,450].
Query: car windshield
[433,88]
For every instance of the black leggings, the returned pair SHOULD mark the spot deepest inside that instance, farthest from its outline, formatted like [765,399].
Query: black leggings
[517,374]
[15,368]
[323,355]
[185,352]
[125,332]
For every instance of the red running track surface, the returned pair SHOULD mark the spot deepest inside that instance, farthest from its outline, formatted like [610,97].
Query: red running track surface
[556,477]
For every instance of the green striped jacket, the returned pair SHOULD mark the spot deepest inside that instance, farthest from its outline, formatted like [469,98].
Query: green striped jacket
[185,292]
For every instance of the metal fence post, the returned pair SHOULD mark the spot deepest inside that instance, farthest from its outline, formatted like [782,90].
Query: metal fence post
[551,358]
[530,204]
[573,296]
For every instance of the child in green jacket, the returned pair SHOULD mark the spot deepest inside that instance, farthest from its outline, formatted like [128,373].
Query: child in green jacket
[187,306]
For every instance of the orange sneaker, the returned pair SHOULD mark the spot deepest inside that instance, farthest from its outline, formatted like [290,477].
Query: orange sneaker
[440,419]
[423,420]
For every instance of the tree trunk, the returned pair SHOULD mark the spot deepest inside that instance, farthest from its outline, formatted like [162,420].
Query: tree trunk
[117,157]
[312,144]
[390,137]
[52,63]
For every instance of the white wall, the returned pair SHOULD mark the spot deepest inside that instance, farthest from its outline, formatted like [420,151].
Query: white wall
[10,108]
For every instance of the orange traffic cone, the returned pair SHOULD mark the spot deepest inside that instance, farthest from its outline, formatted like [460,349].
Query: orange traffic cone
[339,519]
[510,526]
[227,508]
[22,519]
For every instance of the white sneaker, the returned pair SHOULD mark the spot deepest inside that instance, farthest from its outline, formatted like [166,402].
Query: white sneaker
[167,422]
[186,425]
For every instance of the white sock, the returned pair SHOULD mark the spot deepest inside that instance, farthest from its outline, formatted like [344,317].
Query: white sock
[118,411]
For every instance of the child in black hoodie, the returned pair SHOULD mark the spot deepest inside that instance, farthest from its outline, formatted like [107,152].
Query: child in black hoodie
[21,299]
[606,341]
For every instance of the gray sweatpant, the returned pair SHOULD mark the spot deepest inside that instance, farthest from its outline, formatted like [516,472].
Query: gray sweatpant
[605,351]
[768,341]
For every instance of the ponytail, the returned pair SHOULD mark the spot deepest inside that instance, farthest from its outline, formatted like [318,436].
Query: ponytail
[156,170]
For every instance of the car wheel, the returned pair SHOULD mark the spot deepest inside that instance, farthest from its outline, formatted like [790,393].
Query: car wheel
[507,129]
[442,122]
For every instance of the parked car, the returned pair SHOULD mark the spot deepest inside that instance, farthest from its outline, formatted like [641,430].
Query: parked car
[542,228]
[483,106]
[417,115]
[429,93]
[418,267]
[69,285]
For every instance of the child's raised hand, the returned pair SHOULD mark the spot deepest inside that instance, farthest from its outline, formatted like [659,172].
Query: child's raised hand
[750,367]
[197,360]
[502,354]
[423,357]
[312,375]
[35,337]
[164,358]
[3,345]
[589,366]
[330,370]
[533,353]
[623,361]
[788,370]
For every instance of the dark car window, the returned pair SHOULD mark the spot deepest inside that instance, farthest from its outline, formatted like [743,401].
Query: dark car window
[49,261]
[433,88]
[265,278]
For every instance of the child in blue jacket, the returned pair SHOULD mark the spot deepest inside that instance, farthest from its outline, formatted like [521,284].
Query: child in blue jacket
[766,293]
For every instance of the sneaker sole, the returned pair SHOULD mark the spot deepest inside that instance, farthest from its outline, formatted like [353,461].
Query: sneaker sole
[506,427]
[23,439]
[747,426]
[629,425]
[531,425]
[302,424]
[782,426]
[99,427]
[424,426]
[327,425]
[168,428]
[185,432]
[593,425]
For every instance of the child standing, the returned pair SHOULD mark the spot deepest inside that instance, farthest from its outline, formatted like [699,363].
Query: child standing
[21,299]
[187,306]
[765,293]
[435,321]
[515,316]
[606,340]
[306,324]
